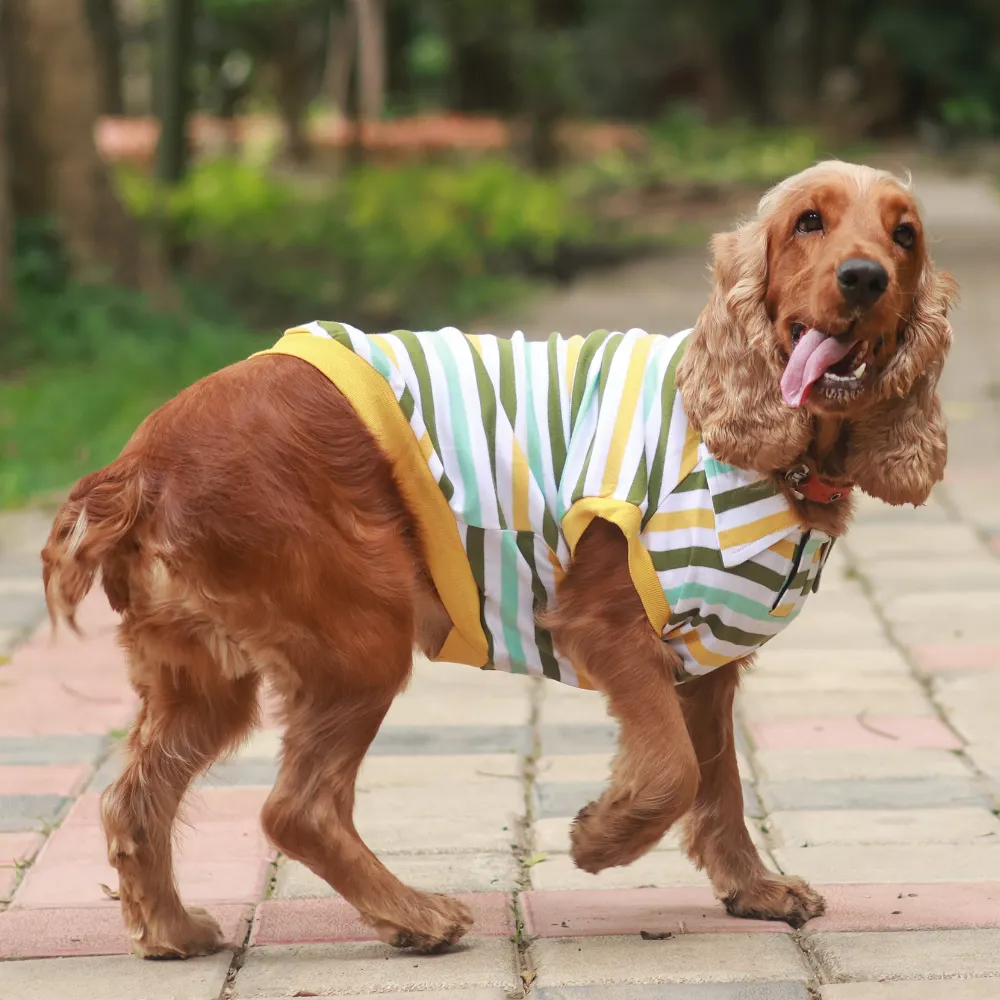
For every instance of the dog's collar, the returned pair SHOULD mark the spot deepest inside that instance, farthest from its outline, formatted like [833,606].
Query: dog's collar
[805,486]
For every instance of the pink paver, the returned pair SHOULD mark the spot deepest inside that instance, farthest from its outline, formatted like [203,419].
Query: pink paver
[201,805]
[956,656]
[79,884]
[50,933]
[46,704]
[55,780]
[875,731]
[908,907]
[18,847]
[304,921]
[94,616]
[585,913]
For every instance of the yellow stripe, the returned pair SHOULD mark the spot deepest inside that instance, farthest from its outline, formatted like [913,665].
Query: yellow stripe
[380,340]
[375,404]
[689,457]
[627,404]
[573,346]
[784,548]
[783,610]
[476,341]
[671,520]
[426,446]
[731,538]
[702,655]
[519,473]
[629,518]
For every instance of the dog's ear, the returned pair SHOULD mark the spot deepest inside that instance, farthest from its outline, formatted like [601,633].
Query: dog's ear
[730,377]
[898,450]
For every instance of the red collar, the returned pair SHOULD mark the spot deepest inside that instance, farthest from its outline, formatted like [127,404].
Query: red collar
[806,486]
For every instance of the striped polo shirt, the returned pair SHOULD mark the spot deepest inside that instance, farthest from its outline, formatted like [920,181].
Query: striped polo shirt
[506,449]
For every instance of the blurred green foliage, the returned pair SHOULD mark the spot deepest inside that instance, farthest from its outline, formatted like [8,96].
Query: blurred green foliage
[414,245]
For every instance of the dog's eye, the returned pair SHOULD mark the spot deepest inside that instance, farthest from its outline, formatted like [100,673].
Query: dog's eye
[904,235]
[809,222]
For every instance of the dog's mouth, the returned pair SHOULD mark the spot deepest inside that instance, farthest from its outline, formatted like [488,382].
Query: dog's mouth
[834,367]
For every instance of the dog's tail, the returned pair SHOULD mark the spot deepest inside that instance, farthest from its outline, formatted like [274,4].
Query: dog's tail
[99,515]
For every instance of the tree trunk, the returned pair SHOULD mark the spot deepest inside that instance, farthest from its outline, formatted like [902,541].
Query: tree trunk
[52,82]
[340,48]
[176,40]
[371,58]
[6,291]
[108,39]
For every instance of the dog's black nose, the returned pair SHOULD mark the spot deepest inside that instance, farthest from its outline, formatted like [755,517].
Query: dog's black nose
[862,281]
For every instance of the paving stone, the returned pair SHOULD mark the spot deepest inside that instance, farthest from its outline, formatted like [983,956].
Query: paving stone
[829,663]
[941,954]
[908,906]
[605,912]
[901,732]
[807,638]
[827,682]
[383,771]
[367,967]
[963,825]
[986,756]
[687,958]
[912,989]
[566,738]
[568,798]
[562,704]
[975,720]
[892,863]
[31,812]
[88,931]
[484,707]
[893,577]
[231,773]
[596,767]
[962,614]
[661,869]
[320,921]
[16,848]
[9,637]
[890,793]
[928,544]
[20,609]
[824,704]
[465,994]
[444,740]
[52,749]
[115,978]
[664,991]
[856,765]
[480,872]
[66,779]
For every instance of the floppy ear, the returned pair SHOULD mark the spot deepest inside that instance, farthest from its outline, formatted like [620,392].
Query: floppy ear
[898,450]
[730,376]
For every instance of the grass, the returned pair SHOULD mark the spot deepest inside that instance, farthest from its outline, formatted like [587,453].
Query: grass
[71,412]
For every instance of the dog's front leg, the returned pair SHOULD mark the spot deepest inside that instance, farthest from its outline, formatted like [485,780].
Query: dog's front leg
[716,836]
[600,624]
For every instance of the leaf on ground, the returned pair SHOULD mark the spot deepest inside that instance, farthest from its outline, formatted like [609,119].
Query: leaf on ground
[535,859]
[528,976]
[109,892]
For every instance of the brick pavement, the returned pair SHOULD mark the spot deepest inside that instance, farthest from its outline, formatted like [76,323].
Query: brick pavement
[869,748]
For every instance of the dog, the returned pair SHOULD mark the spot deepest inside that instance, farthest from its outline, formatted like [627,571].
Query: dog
[627,512]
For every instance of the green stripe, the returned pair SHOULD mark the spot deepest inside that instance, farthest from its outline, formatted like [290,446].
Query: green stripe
[475,542]
[668,394]
[732,499]
[508,380]
[540,599]
[557,441]
[591,345]
[697,555]
[488,407]
[407,403]
[509,602]
[722,631]
[419,363]
[696,480]
[709,595]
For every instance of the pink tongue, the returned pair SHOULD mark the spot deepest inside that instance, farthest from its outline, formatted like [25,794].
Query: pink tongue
[811,357]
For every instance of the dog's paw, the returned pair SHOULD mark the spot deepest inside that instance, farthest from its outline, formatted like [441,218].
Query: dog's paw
[779,897]
[198,933]
[439,925]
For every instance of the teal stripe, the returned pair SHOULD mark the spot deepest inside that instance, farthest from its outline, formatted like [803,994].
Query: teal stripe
[550,530]
[472,509]
[727,633]
[709,595]
[509,610]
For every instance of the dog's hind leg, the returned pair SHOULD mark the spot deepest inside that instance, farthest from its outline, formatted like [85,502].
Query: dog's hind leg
[309,816]
[191,713]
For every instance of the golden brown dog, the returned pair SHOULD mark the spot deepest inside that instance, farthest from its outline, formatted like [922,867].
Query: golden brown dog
[253,529]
